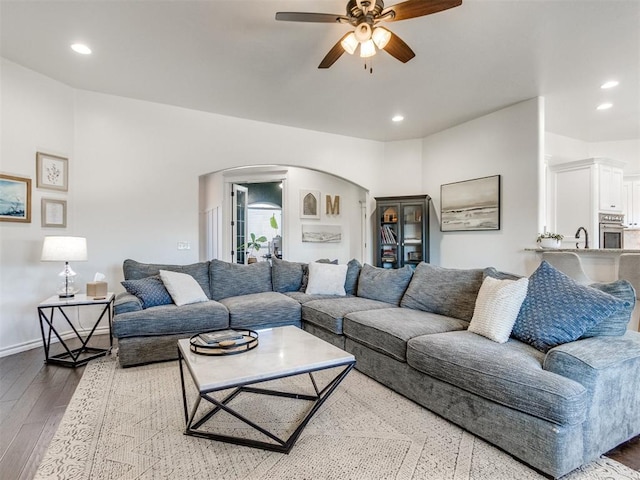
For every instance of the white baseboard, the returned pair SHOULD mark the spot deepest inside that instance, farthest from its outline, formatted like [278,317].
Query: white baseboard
[23,347]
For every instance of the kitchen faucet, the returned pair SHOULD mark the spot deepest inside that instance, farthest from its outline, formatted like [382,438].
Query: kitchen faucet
[586,237]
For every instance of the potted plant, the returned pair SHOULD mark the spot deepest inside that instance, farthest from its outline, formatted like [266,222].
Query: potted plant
[253,244]
[550,240]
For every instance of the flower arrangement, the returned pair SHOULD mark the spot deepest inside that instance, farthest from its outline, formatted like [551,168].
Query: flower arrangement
[555,236]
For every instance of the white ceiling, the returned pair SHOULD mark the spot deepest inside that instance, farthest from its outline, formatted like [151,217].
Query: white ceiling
[233,58]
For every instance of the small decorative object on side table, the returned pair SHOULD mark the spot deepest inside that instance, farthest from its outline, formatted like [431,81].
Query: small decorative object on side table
[73,357]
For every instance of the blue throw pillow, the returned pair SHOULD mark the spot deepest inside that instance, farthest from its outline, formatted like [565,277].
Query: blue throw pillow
[557,310]
[150,290]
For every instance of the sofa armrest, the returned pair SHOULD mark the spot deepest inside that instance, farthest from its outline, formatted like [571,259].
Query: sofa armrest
[609,368]
[126,302]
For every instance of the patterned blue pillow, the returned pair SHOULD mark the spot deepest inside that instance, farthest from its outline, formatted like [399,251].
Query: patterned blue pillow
[557,310]
[151,291]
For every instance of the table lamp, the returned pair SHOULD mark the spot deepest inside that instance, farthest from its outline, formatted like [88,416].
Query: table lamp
[65,249]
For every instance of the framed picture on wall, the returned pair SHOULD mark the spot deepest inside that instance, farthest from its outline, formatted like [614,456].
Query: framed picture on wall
[54,213]
[15,199]
[310,204]
[470,205]
[52,172]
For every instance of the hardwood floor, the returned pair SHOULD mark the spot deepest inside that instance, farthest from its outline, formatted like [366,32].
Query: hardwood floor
[34,396]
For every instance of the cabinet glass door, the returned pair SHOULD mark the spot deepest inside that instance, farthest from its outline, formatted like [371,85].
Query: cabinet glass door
[389,234]
[412,238]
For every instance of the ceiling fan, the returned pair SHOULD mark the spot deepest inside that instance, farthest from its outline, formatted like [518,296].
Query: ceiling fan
[365,15]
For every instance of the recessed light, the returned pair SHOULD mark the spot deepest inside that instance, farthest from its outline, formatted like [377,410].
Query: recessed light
[609,84]
[397,118]
[604,106]
[81,48]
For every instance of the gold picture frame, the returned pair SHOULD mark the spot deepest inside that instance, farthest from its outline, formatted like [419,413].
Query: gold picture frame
[52,172]
[15,199]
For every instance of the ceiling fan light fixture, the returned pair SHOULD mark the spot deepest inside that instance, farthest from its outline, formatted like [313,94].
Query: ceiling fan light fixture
[363,32]
[349,43]
[381,37]
[367,49]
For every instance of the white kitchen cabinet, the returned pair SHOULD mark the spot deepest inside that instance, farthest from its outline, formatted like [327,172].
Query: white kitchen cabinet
[611,180]
[578,191]
[631,202]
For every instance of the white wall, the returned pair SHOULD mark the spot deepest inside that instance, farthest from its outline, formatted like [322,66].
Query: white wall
[561,149]
[507,143]
[37,115]
[134,185]
[349,218]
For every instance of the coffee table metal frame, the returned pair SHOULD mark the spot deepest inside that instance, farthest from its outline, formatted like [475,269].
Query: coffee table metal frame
[281,445]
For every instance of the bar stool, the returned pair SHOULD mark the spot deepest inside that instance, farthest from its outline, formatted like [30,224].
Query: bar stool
[629,270]
[568,263]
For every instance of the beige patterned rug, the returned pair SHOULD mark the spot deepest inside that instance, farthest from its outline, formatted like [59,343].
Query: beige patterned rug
[128,424]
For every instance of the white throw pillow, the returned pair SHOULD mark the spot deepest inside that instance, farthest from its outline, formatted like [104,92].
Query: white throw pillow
[183,288]
[326,279]
[497,307]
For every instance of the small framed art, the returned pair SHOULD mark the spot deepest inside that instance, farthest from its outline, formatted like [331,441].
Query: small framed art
[54,213]
[15,199]
[310,204]
[52,172]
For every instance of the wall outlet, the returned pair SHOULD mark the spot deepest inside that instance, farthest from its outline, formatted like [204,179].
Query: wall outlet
[184,246]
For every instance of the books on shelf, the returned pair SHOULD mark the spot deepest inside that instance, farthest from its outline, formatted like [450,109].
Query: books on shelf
[211,338]
[388,235]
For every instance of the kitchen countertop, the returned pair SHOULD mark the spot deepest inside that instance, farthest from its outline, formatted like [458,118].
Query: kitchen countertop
[585,251]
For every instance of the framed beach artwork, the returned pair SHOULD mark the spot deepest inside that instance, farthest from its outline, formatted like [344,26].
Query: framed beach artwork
[310,204]
[52,172]
[470,205]
[322,233]
[15,199]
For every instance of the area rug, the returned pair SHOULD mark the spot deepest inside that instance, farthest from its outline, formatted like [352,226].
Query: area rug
[129,423]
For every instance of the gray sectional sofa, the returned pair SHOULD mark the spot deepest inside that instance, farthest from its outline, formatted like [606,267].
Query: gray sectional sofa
[554,410]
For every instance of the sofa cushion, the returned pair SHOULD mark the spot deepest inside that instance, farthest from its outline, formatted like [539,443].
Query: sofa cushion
[150,290]
[329,313]
[200,271]
[302,297]
[326,279]
[262,310]
[353,273]
[387,330]
[510,374]
[182,287]
[232,279]
[305,272]
[616,323]
[558,310]
[286,276]
[497,307]
[383,284]
[171,319]
[446,291]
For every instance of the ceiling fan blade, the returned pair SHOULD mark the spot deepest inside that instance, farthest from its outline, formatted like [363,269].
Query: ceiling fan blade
[418,8]
[333,55]
[310,17]
[398,49]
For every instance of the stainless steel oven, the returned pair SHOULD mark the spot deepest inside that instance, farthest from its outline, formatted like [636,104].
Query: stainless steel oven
[611,230]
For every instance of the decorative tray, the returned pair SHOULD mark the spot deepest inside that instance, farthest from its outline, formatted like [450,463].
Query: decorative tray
[224,342]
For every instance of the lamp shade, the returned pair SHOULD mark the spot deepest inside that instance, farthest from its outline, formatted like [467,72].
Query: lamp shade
[64,249]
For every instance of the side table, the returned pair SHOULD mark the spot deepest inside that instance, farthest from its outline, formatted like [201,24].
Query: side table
[83,354]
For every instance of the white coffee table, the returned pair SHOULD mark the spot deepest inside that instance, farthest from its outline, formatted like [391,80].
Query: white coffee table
[281,352]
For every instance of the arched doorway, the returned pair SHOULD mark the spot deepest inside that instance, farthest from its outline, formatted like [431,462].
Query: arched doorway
[341,208]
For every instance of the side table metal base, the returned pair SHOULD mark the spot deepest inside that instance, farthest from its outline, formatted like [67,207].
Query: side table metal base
[73,357]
